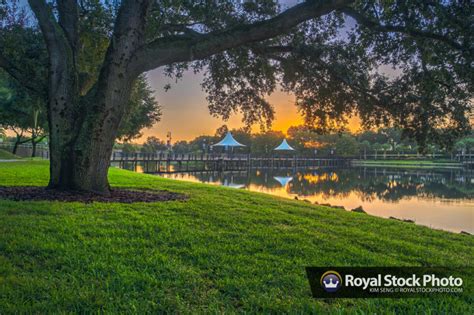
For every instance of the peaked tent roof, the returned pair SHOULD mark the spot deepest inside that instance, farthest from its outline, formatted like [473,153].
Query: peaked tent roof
[284,146]
[283,180]
[228,141]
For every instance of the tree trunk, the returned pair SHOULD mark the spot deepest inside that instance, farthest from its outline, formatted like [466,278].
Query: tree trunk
[33,148]
[83,125]
[82,162]
[81,147]
[17,143]
[71,169]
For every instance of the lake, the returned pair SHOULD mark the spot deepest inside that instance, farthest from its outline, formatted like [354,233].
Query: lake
[438,198]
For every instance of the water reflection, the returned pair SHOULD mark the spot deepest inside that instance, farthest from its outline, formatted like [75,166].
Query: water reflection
[441,199]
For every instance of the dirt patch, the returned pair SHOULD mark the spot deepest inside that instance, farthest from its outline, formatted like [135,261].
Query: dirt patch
[119,195]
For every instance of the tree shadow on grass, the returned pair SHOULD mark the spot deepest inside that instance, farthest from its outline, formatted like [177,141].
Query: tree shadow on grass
[118,195]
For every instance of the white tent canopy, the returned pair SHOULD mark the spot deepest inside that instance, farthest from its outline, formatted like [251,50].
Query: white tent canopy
[283,180]
[284,146]
[228,141]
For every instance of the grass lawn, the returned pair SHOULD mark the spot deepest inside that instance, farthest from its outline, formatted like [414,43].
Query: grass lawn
[5,155]
[223,250]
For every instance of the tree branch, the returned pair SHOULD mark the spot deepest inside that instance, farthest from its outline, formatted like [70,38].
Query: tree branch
[376,26]
[18,75]
[38,139]
[52,33]
[173,49]
[181,28]
[59,50]
[62,78]
[129,31]
[111,92]
[68,20]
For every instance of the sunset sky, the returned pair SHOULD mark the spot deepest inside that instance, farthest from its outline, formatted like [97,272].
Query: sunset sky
[186,115]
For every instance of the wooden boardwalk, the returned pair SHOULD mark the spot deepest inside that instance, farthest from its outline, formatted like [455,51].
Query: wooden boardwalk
[169,162]
[175,163]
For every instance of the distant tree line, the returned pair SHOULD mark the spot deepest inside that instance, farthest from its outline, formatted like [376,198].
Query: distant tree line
[376,143]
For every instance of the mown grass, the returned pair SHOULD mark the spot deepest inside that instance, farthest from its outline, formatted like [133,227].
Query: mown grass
[5,155]
[222,251]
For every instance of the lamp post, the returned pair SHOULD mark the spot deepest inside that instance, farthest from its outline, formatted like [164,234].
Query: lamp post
[204,146]
[168,140]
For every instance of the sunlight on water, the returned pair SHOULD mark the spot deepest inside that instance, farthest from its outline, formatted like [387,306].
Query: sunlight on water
[438,199]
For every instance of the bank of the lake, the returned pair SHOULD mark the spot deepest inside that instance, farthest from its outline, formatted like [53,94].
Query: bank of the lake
[223,250]
[408,163]
[440,198]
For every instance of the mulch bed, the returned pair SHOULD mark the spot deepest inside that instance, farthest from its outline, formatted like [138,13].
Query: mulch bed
[119,195]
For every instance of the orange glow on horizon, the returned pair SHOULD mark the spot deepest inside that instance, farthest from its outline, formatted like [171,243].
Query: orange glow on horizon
[186,115]
[286,116]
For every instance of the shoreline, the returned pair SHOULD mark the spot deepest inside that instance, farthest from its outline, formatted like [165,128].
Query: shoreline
[407,164]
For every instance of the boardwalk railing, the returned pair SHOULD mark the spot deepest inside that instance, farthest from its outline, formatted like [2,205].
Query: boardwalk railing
[172,162]
[118,157]
[169,162]
[26,150]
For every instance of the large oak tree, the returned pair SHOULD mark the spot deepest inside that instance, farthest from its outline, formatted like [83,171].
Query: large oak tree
[248,48]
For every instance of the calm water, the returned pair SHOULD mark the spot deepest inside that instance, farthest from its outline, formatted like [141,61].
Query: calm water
[441,199]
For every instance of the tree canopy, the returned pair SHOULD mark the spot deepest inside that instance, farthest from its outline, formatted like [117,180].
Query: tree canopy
[331,61]
[331,54]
